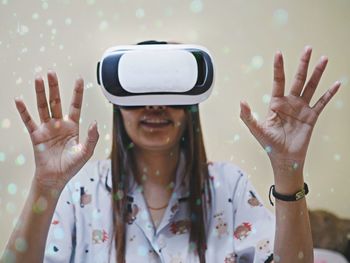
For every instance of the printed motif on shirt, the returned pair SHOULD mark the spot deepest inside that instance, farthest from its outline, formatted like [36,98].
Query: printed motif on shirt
[263,246]
[99,236]
[180,227]
[221,226]
[253,200]
[242,231]
[230,258]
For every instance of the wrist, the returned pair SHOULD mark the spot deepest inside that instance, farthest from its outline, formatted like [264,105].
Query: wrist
[288,175]
[49,193]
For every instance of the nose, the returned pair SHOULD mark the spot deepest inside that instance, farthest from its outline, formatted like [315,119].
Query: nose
[155,107]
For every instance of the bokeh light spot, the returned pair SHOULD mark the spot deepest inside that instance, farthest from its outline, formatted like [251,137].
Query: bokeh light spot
[45,5]
[2,157]
[268,149]
[337,157]
[9,256]
[35,16]
[19,80]
[58,233]
[40,205]
[142,251]
[103,25]
[41,147]
[49,22]
[90,2]
[12,188]
[68,21]
[20,160]
[300,255]
[257,62]
[196,6]
[21,245]
[140,13]
[280,16]
[5,123]
[266,98]
[236,137]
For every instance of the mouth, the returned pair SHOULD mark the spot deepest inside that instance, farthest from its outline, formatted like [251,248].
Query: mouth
[155,123]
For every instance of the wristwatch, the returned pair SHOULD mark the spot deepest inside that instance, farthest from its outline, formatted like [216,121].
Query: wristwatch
[295,197]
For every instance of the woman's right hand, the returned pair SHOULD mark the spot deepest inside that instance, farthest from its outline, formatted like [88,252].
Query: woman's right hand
[57,151]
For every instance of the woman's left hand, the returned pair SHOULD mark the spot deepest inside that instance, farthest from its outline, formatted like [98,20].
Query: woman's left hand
[285,133]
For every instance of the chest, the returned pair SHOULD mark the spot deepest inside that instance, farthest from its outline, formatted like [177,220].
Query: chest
[157,216]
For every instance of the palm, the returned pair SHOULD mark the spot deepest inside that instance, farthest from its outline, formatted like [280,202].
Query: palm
[56,146]
[287,129]
[57,151]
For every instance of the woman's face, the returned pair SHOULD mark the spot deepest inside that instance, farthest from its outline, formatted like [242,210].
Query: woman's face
[154,127]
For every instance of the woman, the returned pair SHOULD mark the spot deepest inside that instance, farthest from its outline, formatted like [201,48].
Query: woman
[159,175]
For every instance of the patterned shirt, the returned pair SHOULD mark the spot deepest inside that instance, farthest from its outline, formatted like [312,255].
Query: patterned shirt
[239,227]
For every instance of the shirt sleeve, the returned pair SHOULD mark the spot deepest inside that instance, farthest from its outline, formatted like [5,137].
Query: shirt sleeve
[60,242]
[254,224]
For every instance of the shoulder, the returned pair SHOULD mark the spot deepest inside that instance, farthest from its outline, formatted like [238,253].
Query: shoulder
[226,174]
[92,171]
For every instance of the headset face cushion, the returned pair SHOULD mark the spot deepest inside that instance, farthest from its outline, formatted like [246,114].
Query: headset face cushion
[156,74]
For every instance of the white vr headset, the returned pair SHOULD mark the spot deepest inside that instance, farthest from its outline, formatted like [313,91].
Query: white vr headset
[156,74]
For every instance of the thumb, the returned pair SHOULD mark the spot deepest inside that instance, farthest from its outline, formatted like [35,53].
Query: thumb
[91,140]
[249,120]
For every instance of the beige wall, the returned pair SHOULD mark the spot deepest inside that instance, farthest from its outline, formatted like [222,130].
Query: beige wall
[70,36]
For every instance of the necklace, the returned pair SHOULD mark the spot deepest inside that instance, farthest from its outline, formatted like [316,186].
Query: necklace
[158,208]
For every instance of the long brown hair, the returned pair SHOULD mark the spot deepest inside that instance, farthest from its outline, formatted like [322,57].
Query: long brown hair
[123,164]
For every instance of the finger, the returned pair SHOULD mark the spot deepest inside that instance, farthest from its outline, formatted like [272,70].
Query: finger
[43,109]
[300,76]
[326,97]
[278,76]
[250,121]
[91,141]
[75,106]
[311,85]
[26,118]
[55,99]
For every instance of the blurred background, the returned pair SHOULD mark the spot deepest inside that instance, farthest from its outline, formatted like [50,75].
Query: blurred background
[70,36]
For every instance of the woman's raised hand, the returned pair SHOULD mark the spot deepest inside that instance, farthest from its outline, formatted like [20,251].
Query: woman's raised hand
[57,151]
[287,129]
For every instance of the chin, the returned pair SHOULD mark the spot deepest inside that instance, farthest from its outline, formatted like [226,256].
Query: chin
[156,145]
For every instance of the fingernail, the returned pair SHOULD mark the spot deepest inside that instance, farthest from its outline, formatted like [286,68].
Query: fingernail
[94,123]
[51,72]
[324,58]
[307,48]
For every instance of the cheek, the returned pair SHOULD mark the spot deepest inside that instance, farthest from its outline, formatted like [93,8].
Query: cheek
[130,123]
[181,123]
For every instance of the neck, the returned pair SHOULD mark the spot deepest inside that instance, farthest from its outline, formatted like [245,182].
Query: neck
[156,168]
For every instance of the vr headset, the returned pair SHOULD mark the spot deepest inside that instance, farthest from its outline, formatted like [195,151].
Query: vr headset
[156,74]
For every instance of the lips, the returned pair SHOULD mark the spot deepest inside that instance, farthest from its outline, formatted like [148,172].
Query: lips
[155,123]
